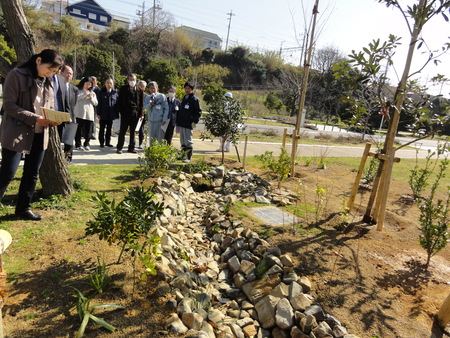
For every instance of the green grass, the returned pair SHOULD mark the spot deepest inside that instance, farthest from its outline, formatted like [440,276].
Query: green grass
[61,215]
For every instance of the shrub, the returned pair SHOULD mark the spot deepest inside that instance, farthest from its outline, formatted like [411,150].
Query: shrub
[127,222]
[434,217]
[157,158]
[280,167]
[418,179]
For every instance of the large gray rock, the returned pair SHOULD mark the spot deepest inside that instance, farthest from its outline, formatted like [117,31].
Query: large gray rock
[237,330]
[192,320]
[300,302]
[261,287]
[206,327]
[284,316]
[339,331]
[233,264]
[323,330]
[316,311]
[266,311]
[308,323]
[175,324]
[305,283]
[280,291]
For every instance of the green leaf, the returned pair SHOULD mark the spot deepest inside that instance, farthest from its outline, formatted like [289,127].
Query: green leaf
[83,325]
[101,322]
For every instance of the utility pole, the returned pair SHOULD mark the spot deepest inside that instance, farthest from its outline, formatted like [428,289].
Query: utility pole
[231,14]
[306,68]
[141,13]
[281,48]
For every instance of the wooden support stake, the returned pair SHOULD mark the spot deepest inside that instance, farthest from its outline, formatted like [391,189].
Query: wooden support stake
[352,197]
[380,205]
[444,313]
[284,138]
[245,152]
[375,186]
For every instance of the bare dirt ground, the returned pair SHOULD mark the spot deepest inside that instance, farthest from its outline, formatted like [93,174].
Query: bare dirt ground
[373,282]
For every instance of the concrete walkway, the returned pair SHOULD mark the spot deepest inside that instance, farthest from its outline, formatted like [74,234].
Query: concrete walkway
[107,155]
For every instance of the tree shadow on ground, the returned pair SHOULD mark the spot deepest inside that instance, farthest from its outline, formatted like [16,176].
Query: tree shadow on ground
[413,278]
[325,251]
[131,176]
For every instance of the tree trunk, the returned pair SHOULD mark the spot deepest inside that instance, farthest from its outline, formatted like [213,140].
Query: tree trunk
[5,67]
[54,175]
[18,28]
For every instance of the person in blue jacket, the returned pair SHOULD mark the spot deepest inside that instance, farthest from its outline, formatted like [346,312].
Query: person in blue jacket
[158,112]
[187,118]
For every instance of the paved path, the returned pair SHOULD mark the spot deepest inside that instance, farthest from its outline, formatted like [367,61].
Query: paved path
[107,155]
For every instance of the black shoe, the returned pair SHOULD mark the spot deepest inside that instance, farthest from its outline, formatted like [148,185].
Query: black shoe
[29,215]
[102,146]
[132,151]
[119,151]
[109,145]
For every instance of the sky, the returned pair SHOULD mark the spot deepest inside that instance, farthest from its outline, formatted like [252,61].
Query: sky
[270,25]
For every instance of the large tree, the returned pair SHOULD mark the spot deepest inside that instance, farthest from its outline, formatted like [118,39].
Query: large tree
[54,176]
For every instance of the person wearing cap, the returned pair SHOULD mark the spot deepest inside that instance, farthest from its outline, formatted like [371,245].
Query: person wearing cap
[225,145]
[187,118]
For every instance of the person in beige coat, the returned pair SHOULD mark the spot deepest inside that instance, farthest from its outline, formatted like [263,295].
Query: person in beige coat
[84,112]
[24,129]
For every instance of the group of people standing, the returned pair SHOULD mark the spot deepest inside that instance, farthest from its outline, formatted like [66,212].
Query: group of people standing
[137,104]
[44,81]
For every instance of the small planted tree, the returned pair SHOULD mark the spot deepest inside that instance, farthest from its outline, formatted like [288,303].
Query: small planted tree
[225,119]
[128,223]
[434,217]
[280,167]
[157,158]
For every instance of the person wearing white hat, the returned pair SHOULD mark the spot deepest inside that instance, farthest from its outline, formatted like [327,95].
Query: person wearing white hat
[225,144]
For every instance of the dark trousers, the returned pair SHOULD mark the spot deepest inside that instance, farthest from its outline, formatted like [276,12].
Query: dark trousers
[127,121]
[84,130]
[32,164]
[105,132]
[169,133]
[141,131]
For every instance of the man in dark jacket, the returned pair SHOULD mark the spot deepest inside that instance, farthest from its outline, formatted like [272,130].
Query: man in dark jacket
[71,96]
[174,107]
[131,109]
[187,118]
[107,111]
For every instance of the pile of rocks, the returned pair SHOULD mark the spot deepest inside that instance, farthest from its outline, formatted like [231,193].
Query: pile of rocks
[219,277]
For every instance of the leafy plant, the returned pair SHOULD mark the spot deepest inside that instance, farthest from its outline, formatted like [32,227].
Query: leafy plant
[280,166]
[418,179]
[85,312]
[127,222]
[99,279]
[225,119]
[262,267]
[371,171]
[157,158]
[319,201]
[434,217]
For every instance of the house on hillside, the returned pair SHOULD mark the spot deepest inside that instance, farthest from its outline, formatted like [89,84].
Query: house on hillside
[94,18]
[90,16]
[202,38]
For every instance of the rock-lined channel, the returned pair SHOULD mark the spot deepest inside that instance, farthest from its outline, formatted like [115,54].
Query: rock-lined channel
[220,278]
